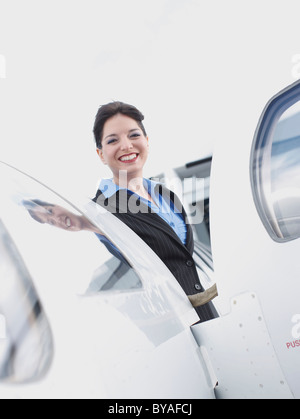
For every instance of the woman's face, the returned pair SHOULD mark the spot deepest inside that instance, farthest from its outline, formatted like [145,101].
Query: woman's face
[59,217]
[124,147]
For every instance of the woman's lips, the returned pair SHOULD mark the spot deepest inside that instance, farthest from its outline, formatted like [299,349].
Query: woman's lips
[129,158]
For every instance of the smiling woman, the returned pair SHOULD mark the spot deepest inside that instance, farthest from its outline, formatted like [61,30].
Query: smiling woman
[122,144]
[148,208]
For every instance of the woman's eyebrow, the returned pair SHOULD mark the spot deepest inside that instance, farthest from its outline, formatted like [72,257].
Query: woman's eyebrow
[110,135]
[115,135]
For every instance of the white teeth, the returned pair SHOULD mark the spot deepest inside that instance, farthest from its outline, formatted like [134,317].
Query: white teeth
[127,158]
[68,222]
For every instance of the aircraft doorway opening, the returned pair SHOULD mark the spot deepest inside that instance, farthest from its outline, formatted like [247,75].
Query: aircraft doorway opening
[192,185]
[194,189]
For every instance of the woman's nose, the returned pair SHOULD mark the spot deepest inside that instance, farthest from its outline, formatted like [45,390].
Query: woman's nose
[126,144]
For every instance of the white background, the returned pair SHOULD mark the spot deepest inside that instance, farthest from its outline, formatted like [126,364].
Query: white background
[201,72]
[193,67]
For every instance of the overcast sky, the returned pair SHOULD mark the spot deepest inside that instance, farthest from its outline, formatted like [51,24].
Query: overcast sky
[170,58]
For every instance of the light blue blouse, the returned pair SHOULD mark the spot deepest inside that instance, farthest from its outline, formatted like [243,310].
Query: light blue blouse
[162,207]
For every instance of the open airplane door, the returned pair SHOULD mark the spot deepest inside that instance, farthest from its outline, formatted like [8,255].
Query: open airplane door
[87,310]
[255,225]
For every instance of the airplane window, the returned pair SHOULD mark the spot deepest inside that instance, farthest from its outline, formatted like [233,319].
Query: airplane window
[66,256]
[277,187]
[285,173]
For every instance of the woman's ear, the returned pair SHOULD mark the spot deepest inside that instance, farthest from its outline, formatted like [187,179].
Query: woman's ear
[100,154]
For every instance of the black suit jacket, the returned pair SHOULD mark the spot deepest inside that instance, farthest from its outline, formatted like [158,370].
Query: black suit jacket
[160,237]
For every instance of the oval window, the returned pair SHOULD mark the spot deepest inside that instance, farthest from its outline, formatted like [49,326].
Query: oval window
[275,166]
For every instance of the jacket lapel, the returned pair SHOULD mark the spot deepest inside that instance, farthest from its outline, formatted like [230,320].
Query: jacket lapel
[172,199]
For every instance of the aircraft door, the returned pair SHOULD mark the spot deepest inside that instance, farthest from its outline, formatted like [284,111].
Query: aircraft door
[255,224]
[275,178]
[87,310]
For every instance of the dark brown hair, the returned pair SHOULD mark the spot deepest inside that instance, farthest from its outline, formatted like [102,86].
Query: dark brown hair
[111,109]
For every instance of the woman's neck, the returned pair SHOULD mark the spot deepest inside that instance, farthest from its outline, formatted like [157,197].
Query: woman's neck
[134,184]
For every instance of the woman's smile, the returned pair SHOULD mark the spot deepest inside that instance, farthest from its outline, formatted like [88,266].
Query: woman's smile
[129,158]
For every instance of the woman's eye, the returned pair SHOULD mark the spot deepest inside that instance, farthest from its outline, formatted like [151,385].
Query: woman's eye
[111,141]
[135,135]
